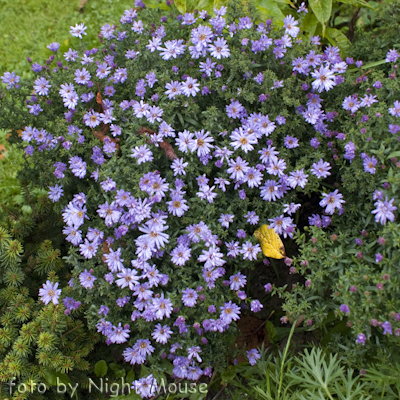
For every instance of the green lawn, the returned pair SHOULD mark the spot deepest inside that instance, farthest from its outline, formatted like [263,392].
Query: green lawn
[28,26]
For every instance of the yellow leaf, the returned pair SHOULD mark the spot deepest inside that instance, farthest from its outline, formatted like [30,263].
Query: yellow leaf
[270,241]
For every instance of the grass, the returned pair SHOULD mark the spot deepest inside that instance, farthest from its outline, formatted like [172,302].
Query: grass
[28,26]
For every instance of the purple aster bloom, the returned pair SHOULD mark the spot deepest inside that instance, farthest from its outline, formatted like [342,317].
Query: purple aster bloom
[11,80]
[256,306]
[234,110]
[361,339]
[395,111]
[369,164]
[53,46]
[229,312]
[87,279]
[324,79]
[387,328]
[55,192]
[241,234]
[237,281]
[219,49]
[291,142]
[315,219]
[253,355]
[332,201]
[189,297]
[49,292]
[392,55]
[321,169]
[383,211]
[344,308]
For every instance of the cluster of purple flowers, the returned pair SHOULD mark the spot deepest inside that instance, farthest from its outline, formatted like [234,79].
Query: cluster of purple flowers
[242,161]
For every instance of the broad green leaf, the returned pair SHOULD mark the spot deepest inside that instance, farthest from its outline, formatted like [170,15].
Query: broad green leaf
[285,2]
[205,5]
[338,38]
[309,24]
[357,3]
[181,6]
[322,9]
[269,8]
[53,378]
[100,368]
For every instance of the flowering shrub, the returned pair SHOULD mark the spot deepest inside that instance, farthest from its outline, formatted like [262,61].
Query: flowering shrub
[166,148]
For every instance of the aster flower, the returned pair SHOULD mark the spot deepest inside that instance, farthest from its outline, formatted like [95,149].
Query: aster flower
[276,167]
[212,257]
[88,250]
[291,142]
[234,109]
[87,279]
[189,297]
[369,164]
[297,178]
[225,220]
[395,110]
[383,211]
[321,169]
[42,86]
[127,278]
[10,79]
[142,153]
[161,333]
[78,30]
[119,334]
[91,119]
[229,312]
[173,48]
[350,103]
[49,292]
[202,143]
[291,27]
[180,254]
[332,201]
[237,281]
[253,355]
[55,192]
[82,77]
[237,168]
[190,87]
[324,79]
[219,49]
[177,206]
[162,307]
[250,251]
[243,139]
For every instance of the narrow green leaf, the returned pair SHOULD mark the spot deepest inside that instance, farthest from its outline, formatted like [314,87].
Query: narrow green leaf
[192,121]
[374,64]
[394,154]
[100,368]
[181,6]
[181,119]
[357,3]
[322,9]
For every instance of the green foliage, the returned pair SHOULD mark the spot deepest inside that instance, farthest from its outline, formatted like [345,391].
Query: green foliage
[29,26]
[11,160]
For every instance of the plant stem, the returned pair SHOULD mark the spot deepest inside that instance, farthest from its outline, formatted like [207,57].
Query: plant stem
[284,358]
